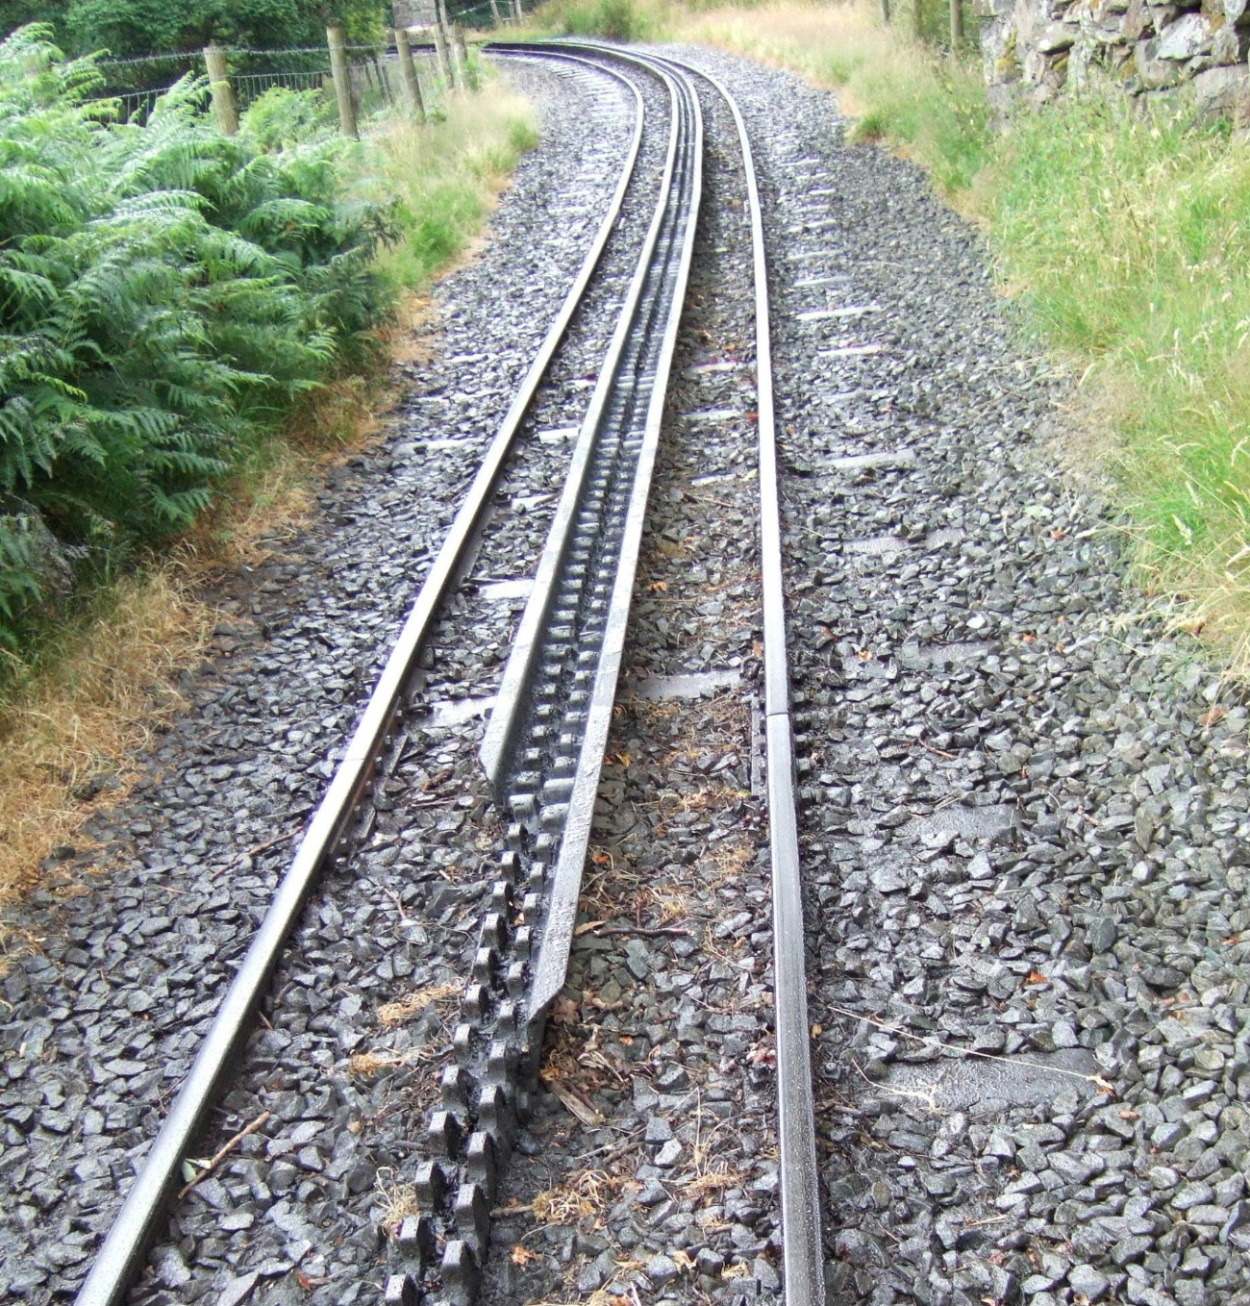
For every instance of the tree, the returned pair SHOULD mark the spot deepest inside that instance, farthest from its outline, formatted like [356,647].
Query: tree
[127,28]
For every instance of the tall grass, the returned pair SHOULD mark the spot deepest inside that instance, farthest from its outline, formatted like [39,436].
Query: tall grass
[444,177]
[1125,231]
[617,20]
[899,91]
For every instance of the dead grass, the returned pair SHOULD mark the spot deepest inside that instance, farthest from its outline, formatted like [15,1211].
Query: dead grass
[79,718]
[365,1065]
[391,1014]
[583,1197]
[76,722]
[732,858]
[396,1200]
[609,886]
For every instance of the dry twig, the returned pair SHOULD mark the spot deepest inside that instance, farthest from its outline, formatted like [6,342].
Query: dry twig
[224,1152]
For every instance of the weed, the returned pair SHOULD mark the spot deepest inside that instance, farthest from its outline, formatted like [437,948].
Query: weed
[585,1195]
[391,1014]
[396,1200]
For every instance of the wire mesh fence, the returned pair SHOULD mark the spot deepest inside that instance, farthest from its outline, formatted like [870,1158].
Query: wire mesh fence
[133,86]
[371,74]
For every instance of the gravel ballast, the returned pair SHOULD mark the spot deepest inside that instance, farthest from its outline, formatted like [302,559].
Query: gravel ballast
[1024,807]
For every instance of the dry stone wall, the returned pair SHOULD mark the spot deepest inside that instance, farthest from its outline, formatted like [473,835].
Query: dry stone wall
[1036,48]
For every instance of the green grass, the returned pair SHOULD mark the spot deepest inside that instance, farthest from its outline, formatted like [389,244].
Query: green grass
[900,91]
[445,176]
[1126,233]
[617,20]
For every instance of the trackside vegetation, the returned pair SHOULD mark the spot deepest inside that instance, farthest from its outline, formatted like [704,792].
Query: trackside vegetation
[190,326]
[168,295]
[1120,229]
[166,292]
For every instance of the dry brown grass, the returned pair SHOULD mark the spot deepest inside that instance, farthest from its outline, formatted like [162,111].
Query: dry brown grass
[609,886]
[391,1014]
[81,717]
[732,858]
[585,1196]
[365,1065]
[396,1200]
[100,689]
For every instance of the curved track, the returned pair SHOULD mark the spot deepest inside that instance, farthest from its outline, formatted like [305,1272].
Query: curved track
[543,750]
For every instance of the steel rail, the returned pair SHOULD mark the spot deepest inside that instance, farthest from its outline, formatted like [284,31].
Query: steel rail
[121,1255]
[802,1243]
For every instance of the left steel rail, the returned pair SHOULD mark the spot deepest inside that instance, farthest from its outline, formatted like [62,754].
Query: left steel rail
[122,1254]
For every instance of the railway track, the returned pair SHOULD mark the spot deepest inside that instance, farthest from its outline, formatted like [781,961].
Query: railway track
[1021,811]
[543,747]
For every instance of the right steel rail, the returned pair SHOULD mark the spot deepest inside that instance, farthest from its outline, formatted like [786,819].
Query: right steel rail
[802,1243]
[544,746]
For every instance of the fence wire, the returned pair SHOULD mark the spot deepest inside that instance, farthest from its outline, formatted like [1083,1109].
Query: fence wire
[133,85]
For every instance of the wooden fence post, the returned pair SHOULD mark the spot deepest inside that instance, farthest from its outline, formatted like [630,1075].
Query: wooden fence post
[441,45]
[408,78]
[223,93]
[957,24]
[462,56]
[885,12]
[516,9]
[336,38]
[494,13]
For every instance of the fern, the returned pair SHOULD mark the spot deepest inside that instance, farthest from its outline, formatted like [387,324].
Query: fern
[163,289]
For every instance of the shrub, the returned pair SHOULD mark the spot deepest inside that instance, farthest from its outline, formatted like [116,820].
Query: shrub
[281,118]
[164,292]
[617,20]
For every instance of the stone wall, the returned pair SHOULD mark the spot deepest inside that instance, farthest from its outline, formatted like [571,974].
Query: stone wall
[1035,48]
